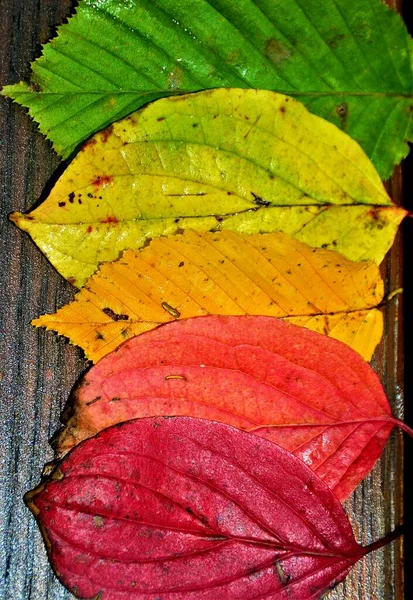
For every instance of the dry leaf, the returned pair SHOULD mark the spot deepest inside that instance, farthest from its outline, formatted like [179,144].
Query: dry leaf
[246,160]
[197,274]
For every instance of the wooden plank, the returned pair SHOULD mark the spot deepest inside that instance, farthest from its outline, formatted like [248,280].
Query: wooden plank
[39,369]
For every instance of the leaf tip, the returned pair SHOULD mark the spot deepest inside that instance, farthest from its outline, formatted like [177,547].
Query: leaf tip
[20,220]
[38,322]
[9,91]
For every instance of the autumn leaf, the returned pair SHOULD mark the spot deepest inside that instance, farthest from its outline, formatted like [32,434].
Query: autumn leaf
[349,61]
[246,160]
[225,273]
[166,507]
[309,393]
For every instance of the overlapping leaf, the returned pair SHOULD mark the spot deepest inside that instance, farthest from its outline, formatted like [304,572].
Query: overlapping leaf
[165,508]
[245,160]
[348,61]
[196,274]
[307,392]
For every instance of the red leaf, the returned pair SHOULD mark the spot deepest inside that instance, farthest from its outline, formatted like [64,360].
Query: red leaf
[309,393]
[186,509]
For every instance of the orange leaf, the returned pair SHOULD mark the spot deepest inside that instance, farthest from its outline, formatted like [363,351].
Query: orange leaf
[226,273]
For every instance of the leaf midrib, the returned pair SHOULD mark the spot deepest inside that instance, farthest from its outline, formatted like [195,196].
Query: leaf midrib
[224,539]
[224,216]
[136,321]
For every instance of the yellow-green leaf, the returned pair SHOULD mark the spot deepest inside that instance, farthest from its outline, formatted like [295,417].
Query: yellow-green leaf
[196,274]
[245,160]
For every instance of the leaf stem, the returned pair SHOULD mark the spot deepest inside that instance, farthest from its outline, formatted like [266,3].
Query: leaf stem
[391,537]
[403,426]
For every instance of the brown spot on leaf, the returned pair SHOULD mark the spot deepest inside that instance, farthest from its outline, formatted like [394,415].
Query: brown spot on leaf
[35,87]
[171,310]
[62,204]
[260,201]
[72,280]
[334,41]
[90,142]
[168,377]
[106,133]
[98,521]
[342,111]
[102,180]
[99,336]
[110,219]
[93,401]
[233,57]
[115,316]
[376,215]
[277,52]
[89,229]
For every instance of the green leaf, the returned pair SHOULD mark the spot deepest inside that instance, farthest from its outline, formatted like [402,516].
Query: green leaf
[245,160]
[349,61]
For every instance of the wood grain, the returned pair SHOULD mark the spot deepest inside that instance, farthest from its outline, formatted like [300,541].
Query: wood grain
[37,370]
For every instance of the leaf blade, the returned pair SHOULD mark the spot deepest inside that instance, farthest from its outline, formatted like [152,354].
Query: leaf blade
[290,47]
[179,477]
[307,392]
[244,160]
[224,273]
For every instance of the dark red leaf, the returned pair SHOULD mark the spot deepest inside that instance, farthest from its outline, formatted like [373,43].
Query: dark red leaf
[309,393]
[186,509]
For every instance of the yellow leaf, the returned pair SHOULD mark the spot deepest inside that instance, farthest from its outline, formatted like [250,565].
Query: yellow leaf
[195,274]
[245,160]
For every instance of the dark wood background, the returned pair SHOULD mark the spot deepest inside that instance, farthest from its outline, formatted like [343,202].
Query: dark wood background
[38,369]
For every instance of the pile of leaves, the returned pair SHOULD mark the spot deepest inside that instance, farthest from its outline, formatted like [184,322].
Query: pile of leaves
[224,227]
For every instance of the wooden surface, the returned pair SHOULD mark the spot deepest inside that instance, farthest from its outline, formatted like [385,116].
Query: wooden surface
[37,370]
